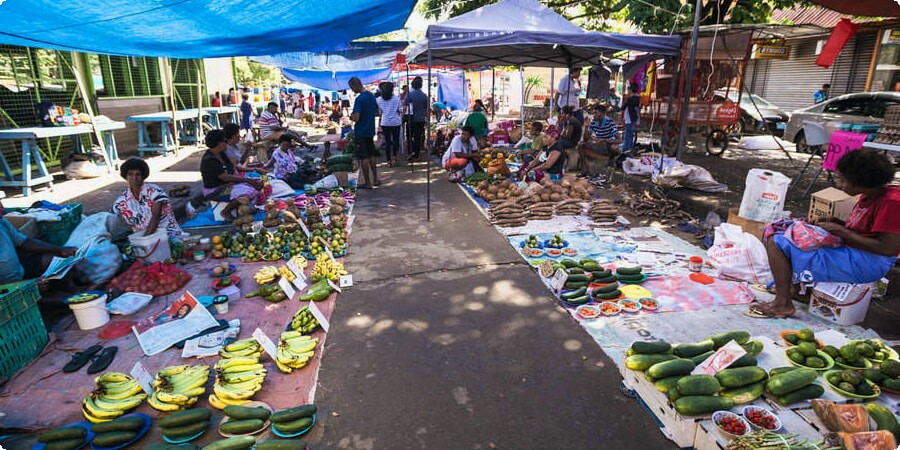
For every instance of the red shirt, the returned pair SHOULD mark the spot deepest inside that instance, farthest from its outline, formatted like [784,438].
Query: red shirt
[877,215]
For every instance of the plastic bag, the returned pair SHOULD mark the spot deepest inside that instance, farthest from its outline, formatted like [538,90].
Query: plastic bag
[129,303]
[156,279]
[810,237]
[103,258]
[764,194]
[329,182]
[739,255]
[77,170]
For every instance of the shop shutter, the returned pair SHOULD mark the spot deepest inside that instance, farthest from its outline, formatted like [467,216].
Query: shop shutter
[791,83]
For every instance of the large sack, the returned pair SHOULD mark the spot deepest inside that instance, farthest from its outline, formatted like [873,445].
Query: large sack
[103,258]
[740,255]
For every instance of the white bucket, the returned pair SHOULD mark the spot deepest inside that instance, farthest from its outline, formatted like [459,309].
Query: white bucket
[152,248]
[92,314]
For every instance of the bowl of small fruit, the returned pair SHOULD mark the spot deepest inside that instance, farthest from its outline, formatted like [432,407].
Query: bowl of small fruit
[730,423]
[610,308]
[761,418]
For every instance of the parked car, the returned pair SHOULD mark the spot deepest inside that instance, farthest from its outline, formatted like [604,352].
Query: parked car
[757,114]
[863,107]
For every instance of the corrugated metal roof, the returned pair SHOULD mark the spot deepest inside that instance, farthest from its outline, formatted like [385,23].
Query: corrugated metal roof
[820,17]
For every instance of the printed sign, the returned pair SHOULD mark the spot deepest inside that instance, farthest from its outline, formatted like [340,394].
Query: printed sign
[771,51]
[721,359]
[143,377]
[559,280]
[317,313]
[334,286]
[305,230]
[728,111]
[288,289]
[346,281]
[265,342]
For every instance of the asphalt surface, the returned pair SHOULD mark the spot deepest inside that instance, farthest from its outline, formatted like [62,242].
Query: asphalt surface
[448,340]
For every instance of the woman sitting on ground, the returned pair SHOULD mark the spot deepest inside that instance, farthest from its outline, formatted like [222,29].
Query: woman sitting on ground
[460,157]
[233,148]
[871,236]
[284,163]
[144,206]
[550,161]
[219,177]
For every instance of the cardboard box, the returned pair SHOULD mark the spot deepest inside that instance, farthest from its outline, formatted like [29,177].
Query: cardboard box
[25,225]
[831,202]
[841,303]
[749,226]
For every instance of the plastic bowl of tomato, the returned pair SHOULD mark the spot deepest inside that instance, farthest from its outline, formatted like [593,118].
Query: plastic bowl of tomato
[761,418]
[588,311]
[629,306]
[649,303]
[730,423]
[610,308]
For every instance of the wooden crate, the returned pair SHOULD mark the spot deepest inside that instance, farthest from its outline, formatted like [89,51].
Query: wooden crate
[710,438]
[679,429]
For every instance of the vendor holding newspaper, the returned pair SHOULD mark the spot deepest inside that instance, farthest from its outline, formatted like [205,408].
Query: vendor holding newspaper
[24,258]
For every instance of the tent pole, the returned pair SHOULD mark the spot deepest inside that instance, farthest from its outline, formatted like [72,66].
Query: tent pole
[673,84]
[170,77]
[82,88]
[552,81]
[408,124]
[493,93]
[522,108]
[199,127]
[427,150]
[688,81]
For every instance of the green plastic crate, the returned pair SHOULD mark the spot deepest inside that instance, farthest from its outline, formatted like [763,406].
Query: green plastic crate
[58,232]
[22,331]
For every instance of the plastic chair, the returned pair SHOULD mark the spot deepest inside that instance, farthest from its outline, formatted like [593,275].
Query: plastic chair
[817,140]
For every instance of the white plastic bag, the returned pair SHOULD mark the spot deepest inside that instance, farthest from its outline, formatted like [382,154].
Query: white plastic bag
[764,194]
[329,182]
[129,303]
[739,255]
[103,258]
[77,170]
[280,189]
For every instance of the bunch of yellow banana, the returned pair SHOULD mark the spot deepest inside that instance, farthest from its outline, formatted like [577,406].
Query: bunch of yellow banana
[178,387]
[286,273]
[114,395]
[294,351]
[265,275]
[304,321]
[327,268]
[244,347]
[300,261]
[237,380]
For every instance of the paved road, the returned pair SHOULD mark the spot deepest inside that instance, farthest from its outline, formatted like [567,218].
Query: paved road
[450,341]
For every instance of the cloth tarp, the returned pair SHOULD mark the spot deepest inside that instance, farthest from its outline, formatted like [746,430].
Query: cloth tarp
[335,81]
[452,90]
[526,33]
[360,56]
[192,29]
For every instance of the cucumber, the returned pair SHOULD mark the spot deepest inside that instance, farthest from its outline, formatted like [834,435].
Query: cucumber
[293,426]
[720,339]
[667,383]
[172,447]
[113,438]
[642,362]
[586,261]
[574,270]
[185,431]
[606,289]
[691,350]
[753,348]
[790,381]
[66,444]
[744,361]
[650,347]
[649,378]
[744,394]
[609,295]
[186,417]
[630,352]
[780,370]
[741,376]
[673,394]
[701,357]
[576,278]
[698,385]
[884,418]
[122,424]
[606,279]
[576,293]
[678,366]
[569,263]
[243,412]
[594,268]
[601,273]
[241,426]
[575,285]
[805,393]
[630,278]
[695,405]
[579,300]
[629,270]
[287,415]
[235,443]
[62,434]
[281,444]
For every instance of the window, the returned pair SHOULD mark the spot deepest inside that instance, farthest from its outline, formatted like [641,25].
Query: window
[850,107]
[126,76]
[878,107]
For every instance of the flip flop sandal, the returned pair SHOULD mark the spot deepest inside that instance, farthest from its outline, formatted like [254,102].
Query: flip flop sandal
[102,360]
[756,313]
[79,359]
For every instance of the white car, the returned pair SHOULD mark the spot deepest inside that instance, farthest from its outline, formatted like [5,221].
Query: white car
[864,107]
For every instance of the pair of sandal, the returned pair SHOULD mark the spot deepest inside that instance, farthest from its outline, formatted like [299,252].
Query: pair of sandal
[100,360]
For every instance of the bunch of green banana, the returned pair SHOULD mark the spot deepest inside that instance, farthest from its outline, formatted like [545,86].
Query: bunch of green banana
[242,348]
[294,351]
[114,395]
[304,321]
[237,380]
[178,387]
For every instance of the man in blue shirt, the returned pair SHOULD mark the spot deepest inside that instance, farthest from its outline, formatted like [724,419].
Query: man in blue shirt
[822,94]
[417,101]
[22,257]
[601,142]
[364,110]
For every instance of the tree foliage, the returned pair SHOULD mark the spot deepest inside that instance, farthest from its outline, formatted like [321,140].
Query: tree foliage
[648,16]
[258,74]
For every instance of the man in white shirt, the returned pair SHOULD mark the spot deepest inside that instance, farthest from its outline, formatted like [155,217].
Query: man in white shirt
[459,158]
[567,93]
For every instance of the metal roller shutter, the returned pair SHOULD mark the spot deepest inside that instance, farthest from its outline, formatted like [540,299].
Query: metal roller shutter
[791,82]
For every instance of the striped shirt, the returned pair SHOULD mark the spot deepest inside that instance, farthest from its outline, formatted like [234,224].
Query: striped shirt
[267,121]
[604,130]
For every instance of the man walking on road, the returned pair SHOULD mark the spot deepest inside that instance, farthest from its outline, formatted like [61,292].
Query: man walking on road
[418,101]
[822,94]
[364,110]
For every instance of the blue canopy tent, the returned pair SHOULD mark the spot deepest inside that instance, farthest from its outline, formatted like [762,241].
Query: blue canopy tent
[334,81]
[196,28]
[358,55]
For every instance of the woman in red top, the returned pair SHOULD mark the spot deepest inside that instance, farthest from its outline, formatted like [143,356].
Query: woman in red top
[871,236]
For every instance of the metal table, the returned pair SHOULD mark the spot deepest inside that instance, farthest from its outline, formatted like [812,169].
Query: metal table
[31,152]
[167,140]
[879,146]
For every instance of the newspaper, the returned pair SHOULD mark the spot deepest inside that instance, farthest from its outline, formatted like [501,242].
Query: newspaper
[59,267]
[210,344]
[182,319]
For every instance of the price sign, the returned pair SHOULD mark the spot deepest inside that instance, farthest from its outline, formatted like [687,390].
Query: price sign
[334,286]
[143,377]
[317,313]
[350,224]
[722,358]
[300,283]
[305,230]
[265,342]
[326,248]
[546,269]
[288,289]
[559,280]
[299,276]
[346,281]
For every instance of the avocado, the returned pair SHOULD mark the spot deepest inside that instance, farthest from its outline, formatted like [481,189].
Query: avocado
[792,338]
[797,357]
[892,383]
[891,368]
[851,377]
[874,375]
[807,349]
[834,378]
[832,351]
[864,389]
[847,387]
[805,334]
[865,350]
[849,353]
[815,362]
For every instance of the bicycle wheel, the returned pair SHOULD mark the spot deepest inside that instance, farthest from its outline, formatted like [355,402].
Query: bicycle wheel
[716,142]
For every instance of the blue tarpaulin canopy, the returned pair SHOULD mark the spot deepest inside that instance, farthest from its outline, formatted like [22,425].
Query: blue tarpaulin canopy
[358,55]
[196,28]
[527,33]
[335,81]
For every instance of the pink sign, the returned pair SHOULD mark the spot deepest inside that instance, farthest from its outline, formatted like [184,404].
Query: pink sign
[842,142]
